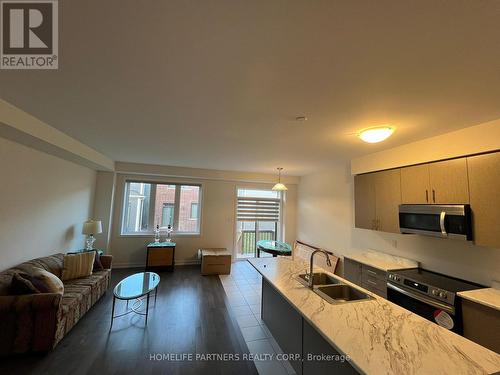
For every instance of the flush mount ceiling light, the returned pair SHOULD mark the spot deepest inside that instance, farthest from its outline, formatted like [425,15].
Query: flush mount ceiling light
[374,135]
[279,186]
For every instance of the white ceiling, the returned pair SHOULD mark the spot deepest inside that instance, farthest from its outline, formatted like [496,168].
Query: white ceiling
[217,84]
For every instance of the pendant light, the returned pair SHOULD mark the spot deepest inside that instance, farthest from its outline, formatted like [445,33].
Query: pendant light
[279,186]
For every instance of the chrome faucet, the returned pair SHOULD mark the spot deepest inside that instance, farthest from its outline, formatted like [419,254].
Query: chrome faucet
[311,262]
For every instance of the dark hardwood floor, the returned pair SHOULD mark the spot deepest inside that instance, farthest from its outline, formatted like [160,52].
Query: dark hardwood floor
[191,316]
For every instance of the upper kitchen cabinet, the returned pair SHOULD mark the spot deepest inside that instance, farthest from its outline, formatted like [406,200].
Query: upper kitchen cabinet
[448,181]
[415,184]
[443,182]
[387,200]
[377,197]
[364,198]
[484,185]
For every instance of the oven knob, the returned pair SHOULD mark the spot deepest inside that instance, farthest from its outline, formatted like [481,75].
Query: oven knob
[434,292]
[391,276]
[442,294]
[397,278]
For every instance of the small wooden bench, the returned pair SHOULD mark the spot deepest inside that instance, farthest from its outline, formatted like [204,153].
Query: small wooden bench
[215,261]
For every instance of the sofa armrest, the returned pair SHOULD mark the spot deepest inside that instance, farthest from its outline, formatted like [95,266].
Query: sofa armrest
[106,261]
[28,322]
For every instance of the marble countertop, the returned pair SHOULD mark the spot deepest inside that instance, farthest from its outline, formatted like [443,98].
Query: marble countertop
[379,336]
[488,296]
[383,261]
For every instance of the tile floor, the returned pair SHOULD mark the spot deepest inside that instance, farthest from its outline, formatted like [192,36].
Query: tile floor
[243,289]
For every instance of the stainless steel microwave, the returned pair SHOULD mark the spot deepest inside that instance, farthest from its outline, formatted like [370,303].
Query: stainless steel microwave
[444,221]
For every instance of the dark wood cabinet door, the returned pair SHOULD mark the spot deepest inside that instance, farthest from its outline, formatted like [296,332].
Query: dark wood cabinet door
[320,357]
[284,322]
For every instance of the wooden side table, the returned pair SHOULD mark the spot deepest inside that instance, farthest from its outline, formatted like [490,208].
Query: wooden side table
[160,256]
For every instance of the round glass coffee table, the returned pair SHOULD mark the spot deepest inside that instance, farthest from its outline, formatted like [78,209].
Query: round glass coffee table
[135,287]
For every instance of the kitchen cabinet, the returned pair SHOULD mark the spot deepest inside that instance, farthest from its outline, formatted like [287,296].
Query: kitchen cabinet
[315,352]
[484,185]
[481,324]
[443,182]
[284,322]
[364,198]
[415,184]
[387,200]
[377,197]
[352,271]
[296,336]
[448,182]
[366,276]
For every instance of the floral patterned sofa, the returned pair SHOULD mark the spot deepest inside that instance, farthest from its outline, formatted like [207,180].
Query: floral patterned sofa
[37,322]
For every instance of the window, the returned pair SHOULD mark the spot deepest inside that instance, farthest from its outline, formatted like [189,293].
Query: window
[258,215]
[167,215]
[194,210]
[149,204]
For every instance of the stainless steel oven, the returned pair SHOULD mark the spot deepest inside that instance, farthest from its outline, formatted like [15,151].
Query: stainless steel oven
[444,221]
[429,294]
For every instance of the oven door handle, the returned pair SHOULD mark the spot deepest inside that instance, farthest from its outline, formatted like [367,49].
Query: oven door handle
[441,223]
[423,299]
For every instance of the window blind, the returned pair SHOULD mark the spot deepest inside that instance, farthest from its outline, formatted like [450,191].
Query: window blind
[258,209]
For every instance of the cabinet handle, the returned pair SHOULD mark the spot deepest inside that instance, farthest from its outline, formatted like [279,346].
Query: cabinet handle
[426,195]
[371,282]
[372,272]
[434,195]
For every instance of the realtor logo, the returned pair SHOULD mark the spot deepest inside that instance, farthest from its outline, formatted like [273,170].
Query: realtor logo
[29,35]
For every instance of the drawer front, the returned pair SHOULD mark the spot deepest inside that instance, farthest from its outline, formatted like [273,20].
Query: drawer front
[374,289]
[160,257]
[374,272]
[374,280]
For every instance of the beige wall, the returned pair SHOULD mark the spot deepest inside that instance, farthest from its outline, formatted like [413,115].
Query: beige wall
[217,220]
[44,200]
[326,218]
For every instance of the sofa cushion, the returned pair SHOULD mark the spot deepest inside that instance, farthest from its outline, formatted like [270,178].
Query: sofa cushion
[51,283]
[76,301]
[22,283]
[78,265]
[98,282]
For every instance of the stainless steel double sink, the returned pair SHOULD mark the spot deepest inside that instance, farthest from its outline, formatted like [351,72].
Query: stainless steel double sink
[332,290]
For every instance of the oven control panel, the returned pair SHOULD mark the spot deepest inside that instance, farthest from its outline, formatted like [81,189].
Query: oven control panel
[436,293]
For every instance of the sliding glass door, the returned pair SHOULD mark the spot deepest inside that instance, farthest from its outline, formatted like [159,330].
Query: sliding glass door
[258,218]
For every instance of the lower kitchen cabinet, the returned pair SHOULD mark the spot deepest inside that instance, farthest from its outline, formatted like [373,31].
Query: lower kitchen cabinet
[352,271]
[296,336]
[320,357]
[368,277]
[481,324]
[284,322]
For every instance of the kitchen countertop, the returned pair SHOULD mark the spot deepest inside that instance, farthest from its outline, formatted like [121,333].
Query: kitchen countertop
[488,296]
[379,336]
[383,261]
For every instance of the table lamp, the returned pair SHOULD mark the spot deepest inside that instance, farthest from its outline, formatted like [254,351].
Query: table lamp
[90,228]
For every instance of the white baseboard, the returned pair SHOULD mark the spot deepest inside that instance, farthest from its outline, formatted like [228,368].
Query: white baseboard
[185,262]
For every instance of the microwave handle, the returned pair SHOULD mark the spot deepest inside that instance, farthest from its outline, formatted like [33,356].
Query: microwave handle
[441,223]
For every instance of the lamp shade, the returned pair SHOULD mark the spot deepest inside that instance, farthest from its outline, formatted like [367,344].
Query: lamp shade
[92,227]
[279,187]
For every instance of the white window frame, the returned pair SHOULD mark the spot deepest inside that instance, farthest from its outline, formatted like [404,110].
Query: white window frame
[152,203]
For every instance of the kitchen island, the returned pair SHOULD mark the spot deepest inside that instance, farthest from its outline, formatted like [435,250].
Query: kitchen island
[378,336]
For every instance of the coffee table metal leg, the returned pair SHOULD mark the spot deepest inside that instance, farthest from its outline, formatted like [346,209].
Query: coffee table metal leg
[147,308]
[156,293]
[112,311]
